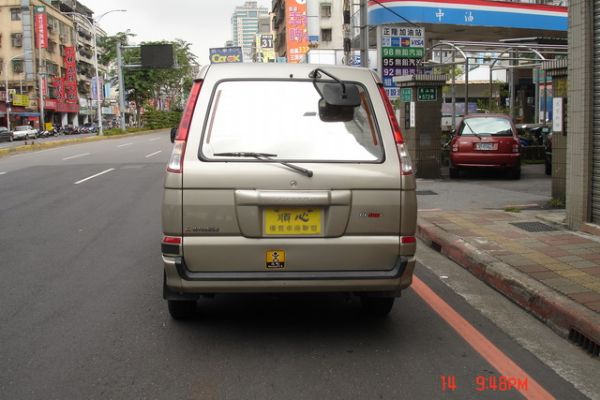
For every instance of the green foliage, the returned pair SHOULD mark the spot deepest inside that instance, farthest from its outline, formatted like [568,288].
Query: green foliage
[142,85]
[117,131]
[556,203]
[161,119]
[512,210]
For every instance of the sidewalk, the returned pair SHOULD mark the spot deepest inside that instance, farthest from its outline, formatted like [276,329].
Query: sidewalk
[548,270]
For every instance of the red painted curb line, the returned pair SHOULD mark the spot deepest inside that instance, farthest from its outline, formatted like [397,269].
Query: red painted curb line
[551,307]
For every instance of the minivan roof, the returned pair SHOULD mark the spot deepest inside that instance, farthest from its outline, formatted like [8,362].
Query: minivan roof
[280,71]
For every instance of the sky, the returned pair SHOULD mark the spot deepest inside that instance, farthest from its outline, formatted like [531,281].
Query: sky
[203,23]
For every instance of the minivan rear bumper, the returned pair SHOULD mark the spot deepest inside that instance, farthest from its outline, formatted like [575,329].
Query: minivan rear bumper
[180,282]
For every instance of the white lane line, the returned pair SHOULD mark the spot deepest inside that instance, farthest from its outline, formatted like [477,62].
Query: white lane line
[76,156]
[125,144]
[94,176]
[155,139]
[153,154]
[2,173]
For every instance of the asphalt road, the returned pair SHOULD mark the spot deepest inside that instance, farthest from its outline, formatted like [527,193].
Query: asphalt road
[83,317]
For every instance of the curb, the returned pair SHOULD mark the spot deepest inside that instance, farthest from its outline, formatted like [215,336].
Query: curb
[556,310]
[57,143]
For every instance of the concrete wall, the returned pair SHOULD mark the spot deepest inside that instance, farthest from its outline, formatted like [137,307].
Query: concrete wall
[579,135]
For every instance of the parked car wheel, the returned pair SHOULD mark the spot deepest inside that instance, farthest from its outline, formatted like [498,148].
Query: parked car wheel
[377,306]
[182,309]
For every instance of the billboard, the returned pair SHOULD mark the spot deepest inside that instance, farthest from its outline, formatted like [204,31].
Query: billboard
[41,28]
[222,55]
[296,30]
[400,49]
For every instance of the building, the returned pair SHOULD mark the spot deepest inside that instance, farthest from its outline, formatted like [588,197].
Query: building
[263,48]
[32,59]
[82,18]
[63,67]
[325,24]
[583,112]
[244,25]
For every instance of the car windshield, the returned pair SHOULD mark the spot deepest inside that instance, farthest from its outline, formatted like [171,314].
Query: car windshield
[485,126]
[283,118]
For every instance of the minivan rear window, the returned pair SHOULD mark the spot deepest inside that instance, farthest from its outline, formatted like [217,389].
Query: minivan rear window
[281,118]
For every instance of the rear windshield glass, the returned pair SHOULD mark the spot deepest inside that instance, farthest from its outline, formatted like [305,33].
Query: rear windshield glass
[486,126]
[282,118]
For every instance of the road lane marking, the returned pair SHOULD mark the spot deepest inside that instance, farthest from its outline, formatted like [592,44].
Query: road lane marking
[76,156]
[125,144]
[153,154]
[94,176]
[2,173]
[155,139]
[492,354]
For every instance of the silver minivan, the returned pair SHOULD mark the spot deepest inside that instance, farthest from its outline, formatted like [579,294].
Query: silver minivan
[288,178]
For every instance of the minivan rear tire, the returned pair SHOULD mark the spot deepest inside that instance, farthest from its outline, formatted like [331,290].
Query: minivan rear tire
[454,173]
[377,306]
[182,309]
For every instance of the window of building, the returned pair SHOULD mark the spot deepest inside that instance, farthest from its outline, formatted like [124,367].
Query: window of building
[1,66]
[325,10]
[16,39]
[52,68]
[15,14]
[17,66]
[326,35]
[51,46]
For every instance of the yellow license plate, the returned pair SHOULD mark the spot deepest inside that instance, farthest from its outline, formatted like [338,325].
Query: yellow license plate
[293,221]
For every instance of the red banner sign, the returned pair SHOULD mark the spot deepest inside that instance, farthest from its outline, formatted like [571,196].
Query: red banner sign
[297,33]
[41,28]
[70,78]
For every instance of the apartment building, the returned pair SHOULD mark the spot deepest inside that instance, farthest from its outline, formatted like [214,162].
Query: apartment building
[244,25]
[32,59]
[82,18]
[62,66]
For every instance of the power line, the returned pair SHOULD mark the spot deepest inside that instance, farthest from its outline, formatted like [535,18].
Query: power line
[396,14]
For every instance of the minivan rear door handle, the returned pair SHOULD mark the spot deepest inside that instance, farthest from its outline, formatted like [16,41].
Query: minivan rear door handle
[292,198]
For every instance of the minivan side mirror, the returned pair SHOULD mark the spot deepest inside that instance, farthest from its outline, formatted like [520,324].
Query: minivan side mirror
[173,134]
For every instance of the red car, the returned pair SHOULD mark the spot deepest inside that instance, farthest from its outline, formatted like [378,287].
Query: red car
[486,140]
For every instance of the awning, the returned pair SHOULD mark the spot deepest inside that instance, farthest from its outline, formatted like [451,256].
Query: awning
[25,114]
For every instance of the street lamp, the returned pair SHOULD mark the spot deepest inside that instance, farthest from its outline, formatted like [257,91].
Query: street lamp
[92,25]
[6,85]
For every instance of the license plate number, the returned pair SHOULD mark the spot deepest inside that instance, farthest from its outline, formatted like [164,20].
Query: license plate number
[485,146]
[293,221]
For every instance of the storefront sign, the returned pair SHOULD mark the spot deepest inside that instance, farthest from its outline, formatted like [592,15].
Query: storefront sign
[296,30]
[20,100]
[70,78]
[41,28]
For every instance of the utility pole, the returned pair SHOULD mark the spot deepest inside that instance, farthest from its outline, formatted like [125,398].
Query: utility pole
[364,34]
[347,33]
[121,86]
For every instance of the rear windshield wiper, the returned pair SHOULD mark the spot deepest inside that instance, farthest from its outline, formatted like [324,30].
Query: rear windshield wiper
[265,156]
[472,131]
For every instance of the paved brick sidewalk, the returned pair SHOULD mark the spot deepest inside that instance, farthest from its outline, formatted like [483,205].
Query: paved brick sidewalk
[555,274]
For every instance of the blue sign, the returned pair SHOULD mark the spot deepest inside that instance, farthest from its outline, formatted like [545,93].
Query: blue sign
[226,55]
[471,13]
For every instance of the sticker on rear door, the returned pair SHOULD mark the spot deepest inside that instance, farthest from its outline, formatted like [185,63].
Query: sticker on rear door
[275,259]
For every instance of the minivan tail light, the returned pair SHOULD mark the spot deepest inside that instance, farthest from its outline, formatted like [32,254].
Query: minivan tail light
[176,162]
[391,116]
[171,245]
[406,165]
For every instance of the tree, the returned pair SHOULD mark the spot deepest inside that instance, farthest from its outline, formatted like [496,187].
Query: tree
[141,85]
